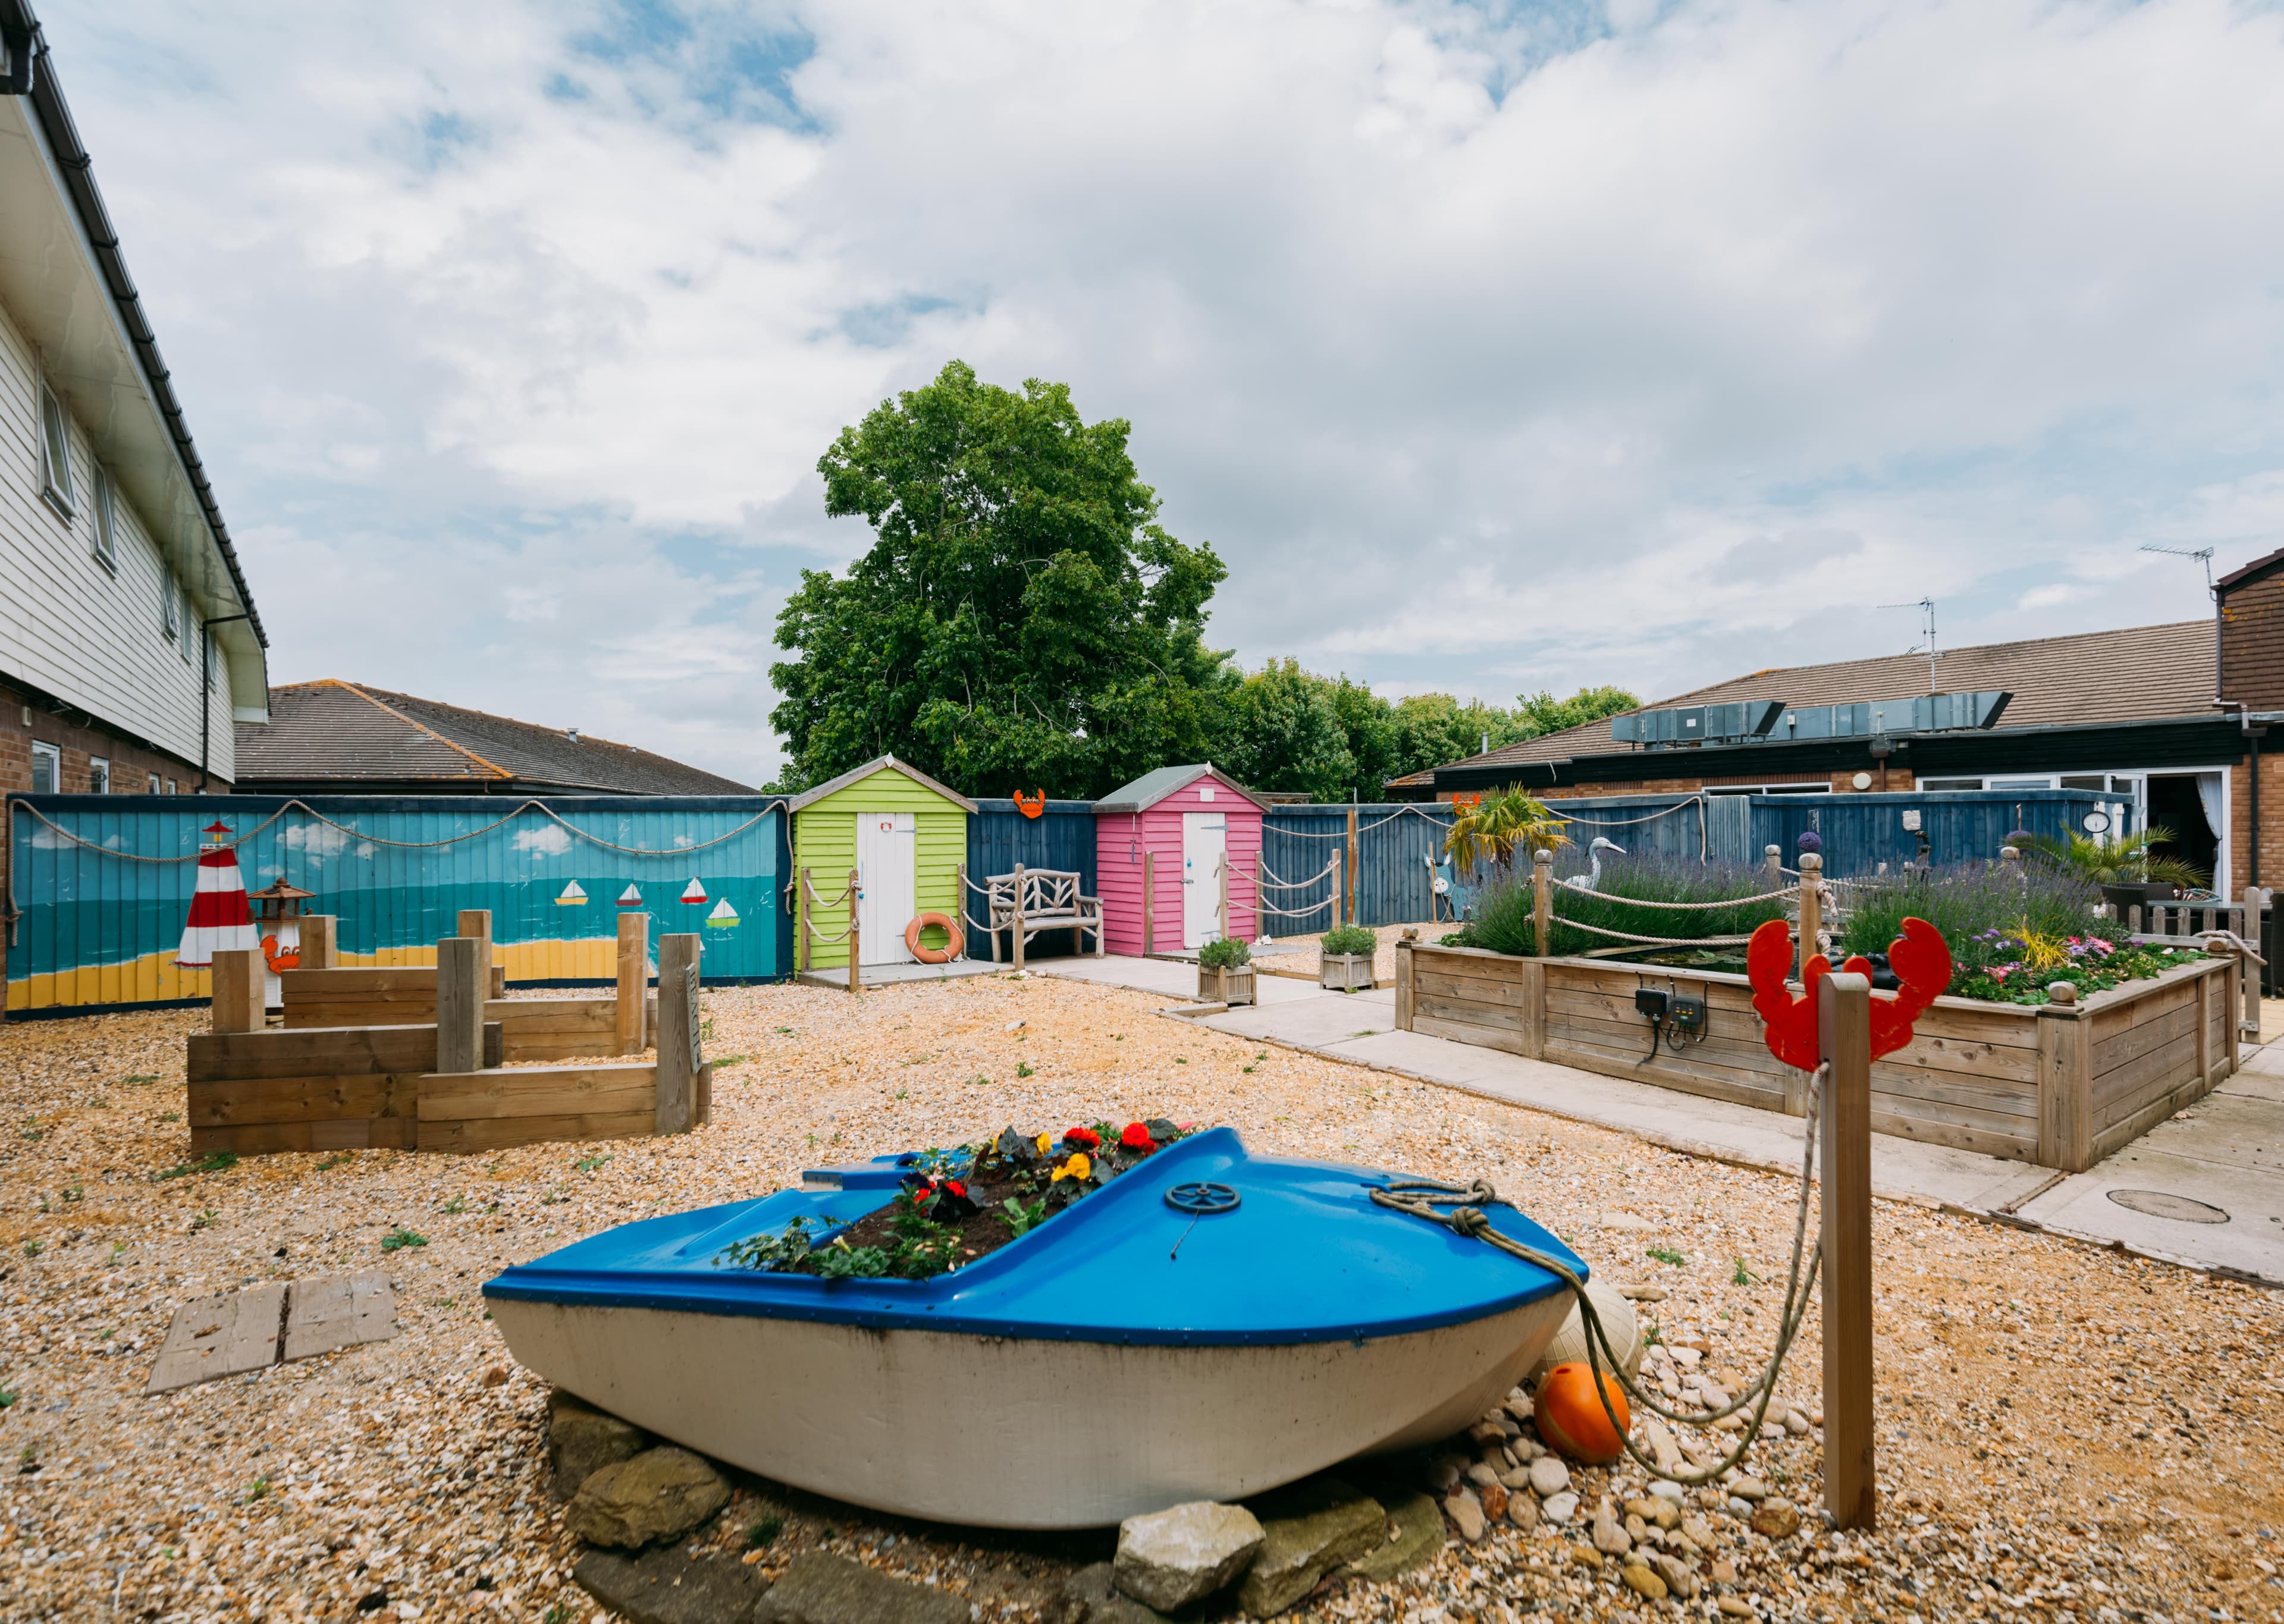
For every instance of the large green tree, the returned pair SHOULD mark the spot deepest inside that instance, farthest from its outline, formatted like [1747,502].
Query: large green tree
[1020,620]
[1285,732]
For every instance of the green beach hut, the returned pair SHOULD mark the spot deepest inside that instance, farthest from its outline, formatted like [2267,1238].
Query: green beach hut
[906,835]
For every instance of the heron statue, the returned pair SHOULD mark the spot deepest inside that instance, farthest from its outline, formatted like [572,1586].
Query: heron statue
[1592,879]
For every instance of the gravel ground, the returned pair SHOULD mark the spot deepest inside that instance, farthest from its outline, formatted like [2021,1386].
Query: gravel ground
[2063,1431]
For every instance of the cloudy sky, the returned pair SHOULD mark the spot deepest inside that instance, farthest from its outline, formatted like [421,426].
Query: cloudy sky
[1495,348]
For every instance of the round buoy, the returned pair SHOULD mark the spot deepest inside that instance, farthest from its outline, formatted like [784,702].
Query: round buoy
[1571,1419]
[1618,1320]
[953,940]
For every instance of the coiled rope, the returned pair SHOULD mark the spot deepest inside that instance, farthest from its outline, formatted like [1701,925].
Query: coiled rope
[1423,1199]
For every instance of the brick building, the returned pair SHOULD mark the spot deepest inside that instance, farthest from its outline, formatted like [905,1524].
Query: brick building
[2172,720]
[129,646]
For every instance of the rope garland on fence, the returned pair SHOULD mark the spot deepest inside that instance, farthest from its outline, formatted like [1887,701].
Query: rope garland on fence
[1295,885]
[1627,822]
[1643,902]
[1420,1198]
[528,805]
[1342,834]
[1669,942]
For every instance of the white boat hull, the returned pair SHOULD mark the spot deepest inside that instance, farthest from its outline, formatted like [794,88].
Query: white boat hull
[1020,1432]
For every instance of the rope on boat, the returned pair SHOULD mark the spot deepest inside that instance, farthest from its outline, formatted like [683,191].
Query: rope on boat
[1422,1198]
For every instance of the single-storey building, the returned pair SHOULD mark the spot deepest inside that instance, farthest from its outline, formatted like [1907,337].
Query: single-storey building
[2171,720]
[1165,845]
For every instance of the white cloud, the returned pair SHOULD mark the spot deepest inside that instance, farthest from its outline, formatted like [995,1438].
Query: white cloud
[1486,351]
[547,839]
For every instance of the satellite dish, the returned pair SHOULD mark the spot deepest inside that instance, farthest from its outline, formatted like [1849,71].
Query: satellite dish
[2097,823]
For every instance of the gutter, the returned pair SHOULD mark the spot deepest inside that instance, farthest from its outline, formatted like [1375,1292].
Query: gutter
[31,73]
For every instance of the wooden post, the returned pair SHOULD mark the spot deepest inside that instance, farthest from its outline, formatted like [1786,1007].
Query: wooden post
[855,939]
[1844,1028]
[1149,904]
[634,982]
[460,1004]
[2133,919]
[1542,901]
[1531,985]
[1772,858]
[2065,1085]
[1016,935]
[1338,890]
[1404,994]
[1348,870]
[1260,923]
[320,943]
[2238,965]
[477,922]
[238,989]
[2204,1009]
[1812,910]
[959,914]
[2255,900]
[1222,918]
[800,925]
[1844,1031]
[679,1055]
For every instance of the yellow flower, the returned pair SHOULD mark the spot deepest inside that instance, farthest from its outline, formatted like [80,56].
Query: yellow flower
[1046,1144]
[1078,1167]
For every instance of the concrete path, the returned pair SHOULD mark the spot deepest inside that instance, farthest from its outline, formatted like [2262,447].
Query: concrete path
[2205,1188]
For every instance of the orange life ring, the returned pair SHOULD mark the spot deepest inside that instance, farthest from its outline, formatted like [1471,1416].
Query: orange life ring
[933,955]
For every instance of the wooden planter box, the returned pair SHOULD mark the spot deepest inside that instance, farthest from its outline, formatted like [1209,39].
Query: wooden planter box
[2060,1086]
[1232,986]
[1345,972]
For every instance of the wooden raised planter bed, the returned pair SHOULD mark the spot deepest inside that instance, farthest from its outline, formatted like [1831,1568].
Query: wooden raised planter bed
[2060,1086]
[1345,972]
[1231,985]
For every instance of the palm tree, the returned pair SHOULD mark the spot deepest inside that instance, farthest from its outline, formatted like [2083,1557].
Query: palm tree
[2125,861]
[1497,825]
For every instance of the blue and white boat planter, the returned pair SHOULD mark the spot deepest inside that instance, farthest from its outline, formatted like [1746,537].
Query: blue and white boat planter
[1207,1325]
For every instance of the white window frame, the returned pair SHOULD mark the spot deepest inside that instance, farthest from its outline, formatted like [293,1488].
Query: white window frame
[106,520]
[171,604]
[55,453]
[186,616]
[170,786]
[99,775]
[154,778]
[53,755]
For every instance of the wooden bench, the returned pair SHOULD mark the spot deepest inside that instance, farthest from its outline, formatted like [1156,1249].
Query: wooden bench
[1030,900]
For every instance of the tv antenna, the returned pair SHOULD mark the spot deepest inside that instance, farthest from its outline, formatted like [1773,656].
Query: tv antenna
[1926,606]
[2202,555]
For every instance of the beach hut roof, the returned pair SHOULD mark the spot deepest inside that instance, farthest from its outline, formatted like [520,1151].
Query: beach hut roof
[877,763]
[1152,787]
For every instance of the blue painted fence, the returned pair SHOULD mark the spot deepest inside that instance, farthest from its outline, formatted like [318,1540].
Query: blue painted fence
[100,884]
[999,837]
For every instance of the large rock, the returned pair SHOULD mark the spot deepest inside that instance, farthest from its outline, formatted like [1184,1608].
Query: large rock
[1091,1596]
[1416,1535]
[669,1586]
[1307,1530]
[581,1440]
[822,1590]
[658,1495]
[1169,1559]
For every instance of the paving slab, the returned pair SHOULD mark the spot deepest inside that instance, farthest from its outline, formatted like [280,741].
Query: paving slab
[2223,1155]
[224,1335]
[1325,1019]
[1172,979]
[336,1311]
[895,975]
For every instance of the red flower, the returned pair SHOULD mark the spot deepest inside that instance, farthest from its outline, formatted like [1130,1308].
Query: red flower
[1136,1137]
[1086,1136]
[956,1187]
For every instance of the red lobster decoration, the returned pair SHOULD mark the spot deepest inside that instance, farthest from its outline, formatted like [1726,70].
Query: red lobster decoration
[1032,807]
[1919,957]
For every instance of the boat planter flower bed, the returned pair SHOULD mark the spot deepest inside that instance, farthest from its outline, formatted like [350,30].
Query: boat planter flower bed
[2061,1085]
[958,1206]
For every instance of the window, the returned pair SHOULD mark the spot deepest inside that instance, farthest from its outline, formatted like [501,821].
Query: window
[154,782]
[1951,784]
[47,768]
[55,453]
[187,622]
[171,607]
[170,786]
[2085,781]
[99,775]
[107,530]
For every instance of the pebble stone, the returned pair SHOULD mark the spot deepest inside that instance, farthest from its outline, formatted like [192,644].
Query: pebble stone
[1560,1507]
[1549,1476]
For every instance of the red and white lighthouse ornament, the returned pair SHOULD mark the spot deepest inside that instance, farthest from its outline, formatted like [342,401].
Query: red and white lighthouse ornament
[220,919]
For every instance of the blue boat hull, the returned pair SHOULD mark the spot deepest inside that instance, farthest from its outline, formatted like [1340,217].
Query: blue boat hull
[1122,1357]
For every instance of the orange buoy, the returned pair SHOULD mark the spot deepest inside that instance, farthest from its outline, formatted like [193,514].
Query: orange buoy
[954,941]
[1571,1419]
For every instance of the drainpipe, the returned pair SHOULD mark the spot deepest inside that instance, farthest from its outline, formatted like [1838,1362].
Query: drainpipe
[205,689]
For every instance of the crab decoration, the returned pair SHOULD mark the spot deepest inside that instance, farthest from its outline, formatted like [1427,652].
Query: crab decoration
[1919,958]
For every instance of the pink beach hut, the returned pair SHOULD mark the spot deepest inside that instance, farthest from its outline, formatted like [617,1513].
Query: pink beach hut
[1161,845]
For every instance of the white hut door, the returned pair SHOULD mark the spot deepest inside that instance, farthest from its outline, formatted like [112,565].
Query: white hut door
[1205,842]
[887,851]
